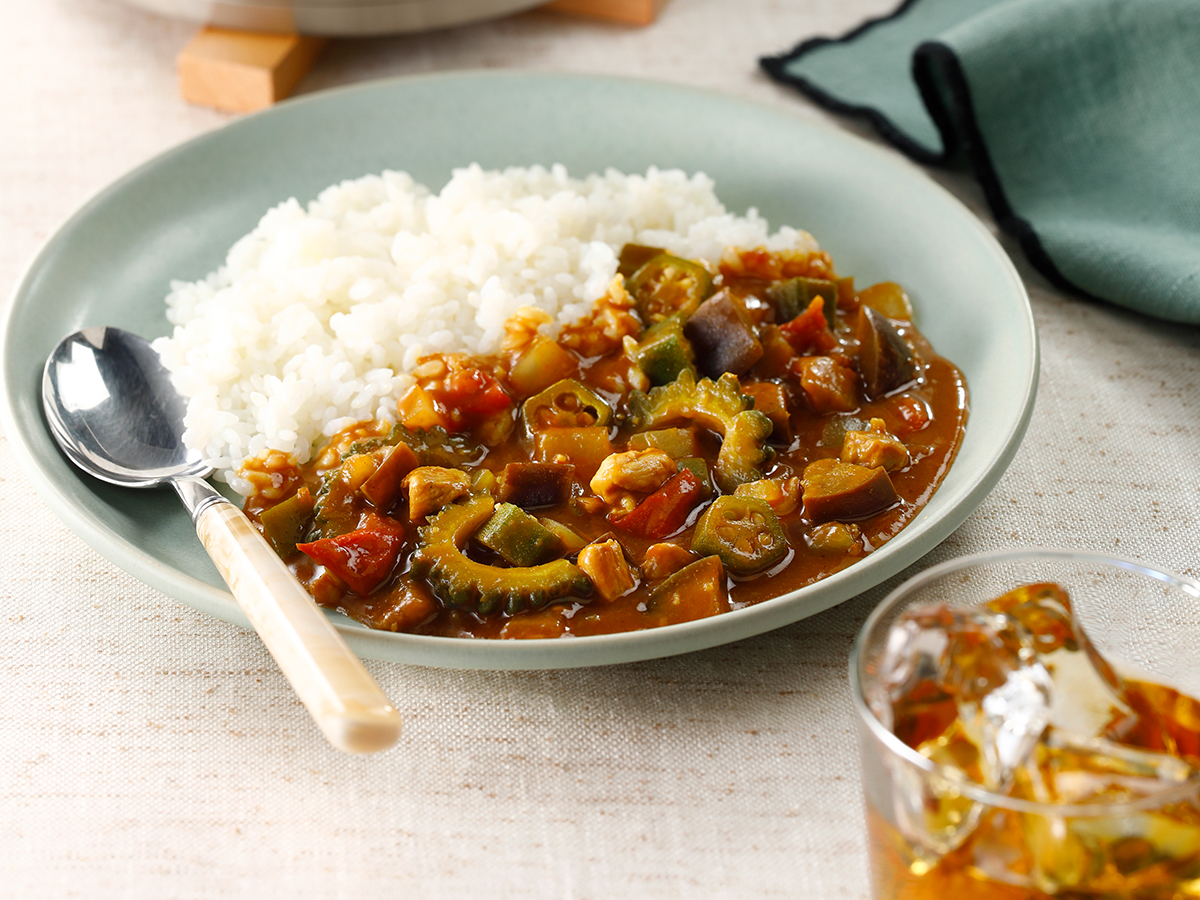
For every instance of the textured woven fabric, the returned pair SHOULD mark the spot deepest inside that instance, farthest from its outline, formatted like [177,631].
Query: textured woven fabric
[1081,119]
[147,751]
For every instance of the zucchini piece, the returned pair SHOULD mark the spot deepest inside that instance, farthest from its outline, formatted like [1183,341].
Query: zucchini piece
[664,352]
[572,541]
[677,443]
[542,364]
[792,297]
[584,448]
[518,538]
[284,523]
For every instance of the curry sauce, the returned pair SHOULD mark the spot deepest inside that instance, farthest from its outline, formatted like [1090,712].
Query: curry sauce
[708,438]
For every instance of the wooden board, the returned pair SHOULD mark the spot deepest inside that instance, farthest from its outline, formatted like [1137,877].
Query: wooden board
[241,71]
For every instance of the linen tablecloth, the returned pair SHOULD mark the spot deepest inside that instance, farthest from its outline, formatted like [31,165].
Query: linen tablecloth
[149,751]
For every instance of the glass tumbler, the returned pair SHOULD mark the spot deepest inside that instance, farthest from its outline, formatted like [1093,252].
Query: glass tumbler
[1080,815]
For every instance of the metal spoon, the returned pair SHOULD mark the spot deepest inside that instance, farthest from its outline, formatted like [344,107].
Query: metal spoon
[113,410]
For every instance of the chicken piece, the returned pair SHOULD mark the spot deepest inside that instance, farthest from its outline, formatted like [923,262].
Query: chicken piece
[603,329]
[836,539]
[431,489]
[665,559]
[874,448]
[604,562]
[621,475]
[781,494]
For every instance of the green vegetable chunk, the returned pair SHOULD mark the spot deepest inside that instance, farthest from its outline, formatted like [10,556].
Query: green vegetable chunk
[719,406]
[698,467]
[284,524]
[677,443]
[667,286]
[664,352]
[696,591]
[634,256]
[462,583]
[519,538]
[744,533]
[792,297]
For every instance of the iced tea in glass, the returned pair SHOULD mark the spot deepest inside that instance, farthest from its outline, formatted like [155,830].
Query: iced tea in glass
[1028,729]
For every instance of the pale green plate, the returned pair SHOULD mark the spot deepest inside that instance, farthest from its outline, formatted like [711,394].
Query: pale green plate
[175,217]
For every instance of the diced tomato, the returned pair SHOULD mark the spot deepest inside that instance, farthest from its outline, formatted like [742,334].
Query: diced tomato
[363,558]
[914,413]
[666,510]
[471,395]
[809,331]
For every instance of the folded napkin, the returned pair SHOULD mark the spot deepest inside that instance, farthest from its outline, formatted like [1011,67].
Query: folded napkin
[1081,119]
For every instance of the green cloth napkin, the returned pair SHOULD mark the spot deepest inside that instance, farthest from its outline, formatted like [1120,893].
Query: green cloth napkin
[1081,119]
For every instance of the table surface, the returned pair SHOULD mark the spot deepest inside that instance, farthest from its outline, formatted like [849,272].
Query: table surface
[149,751]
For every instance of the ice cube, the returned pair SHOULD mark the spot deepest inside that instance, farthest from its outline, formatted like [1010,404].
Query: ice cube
[1088,694]
[1070,768]
[955,676]
[1120,852]
[964,688]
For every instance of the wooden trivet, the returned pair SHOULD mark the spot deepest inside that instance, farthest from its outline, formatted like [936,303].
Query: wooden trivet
[242,71]
[631,12]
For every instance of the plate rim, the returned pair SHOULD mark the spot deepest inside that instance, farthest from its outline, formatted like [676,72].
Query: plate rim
[463,653]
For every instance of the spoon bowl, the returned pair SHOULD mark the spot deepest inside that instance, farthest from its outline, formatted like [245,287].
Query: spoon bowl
[114,412]
[116,415]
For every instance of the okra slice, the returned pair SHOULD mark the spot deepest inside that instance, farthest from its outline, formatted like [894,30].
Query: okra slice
[667,285]
[518,538]
[744,533]
[565,404]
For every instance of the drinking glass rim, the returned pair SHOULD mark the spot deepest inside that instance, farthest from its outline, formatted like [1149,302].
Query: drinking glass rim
[971,789]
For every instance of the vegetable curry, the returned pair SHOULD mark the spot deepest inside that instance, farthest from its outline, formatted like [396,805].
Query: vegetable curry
[707,438]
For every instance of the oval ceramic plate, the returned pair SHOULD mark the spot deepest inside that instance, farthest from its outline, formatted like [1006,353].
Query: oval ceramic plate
[176,216]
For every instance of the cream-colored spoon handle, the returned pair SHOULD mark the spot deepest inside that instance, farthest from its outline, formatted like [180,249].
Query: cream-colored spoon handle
[348,706]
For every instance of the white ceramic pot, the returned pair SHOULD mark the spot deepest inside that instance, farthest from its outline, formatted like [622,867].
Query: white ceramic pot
[335,18]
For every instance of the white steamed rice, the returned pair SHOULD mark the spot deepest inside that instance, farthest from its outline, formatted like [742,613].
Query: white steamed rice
[319,314]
